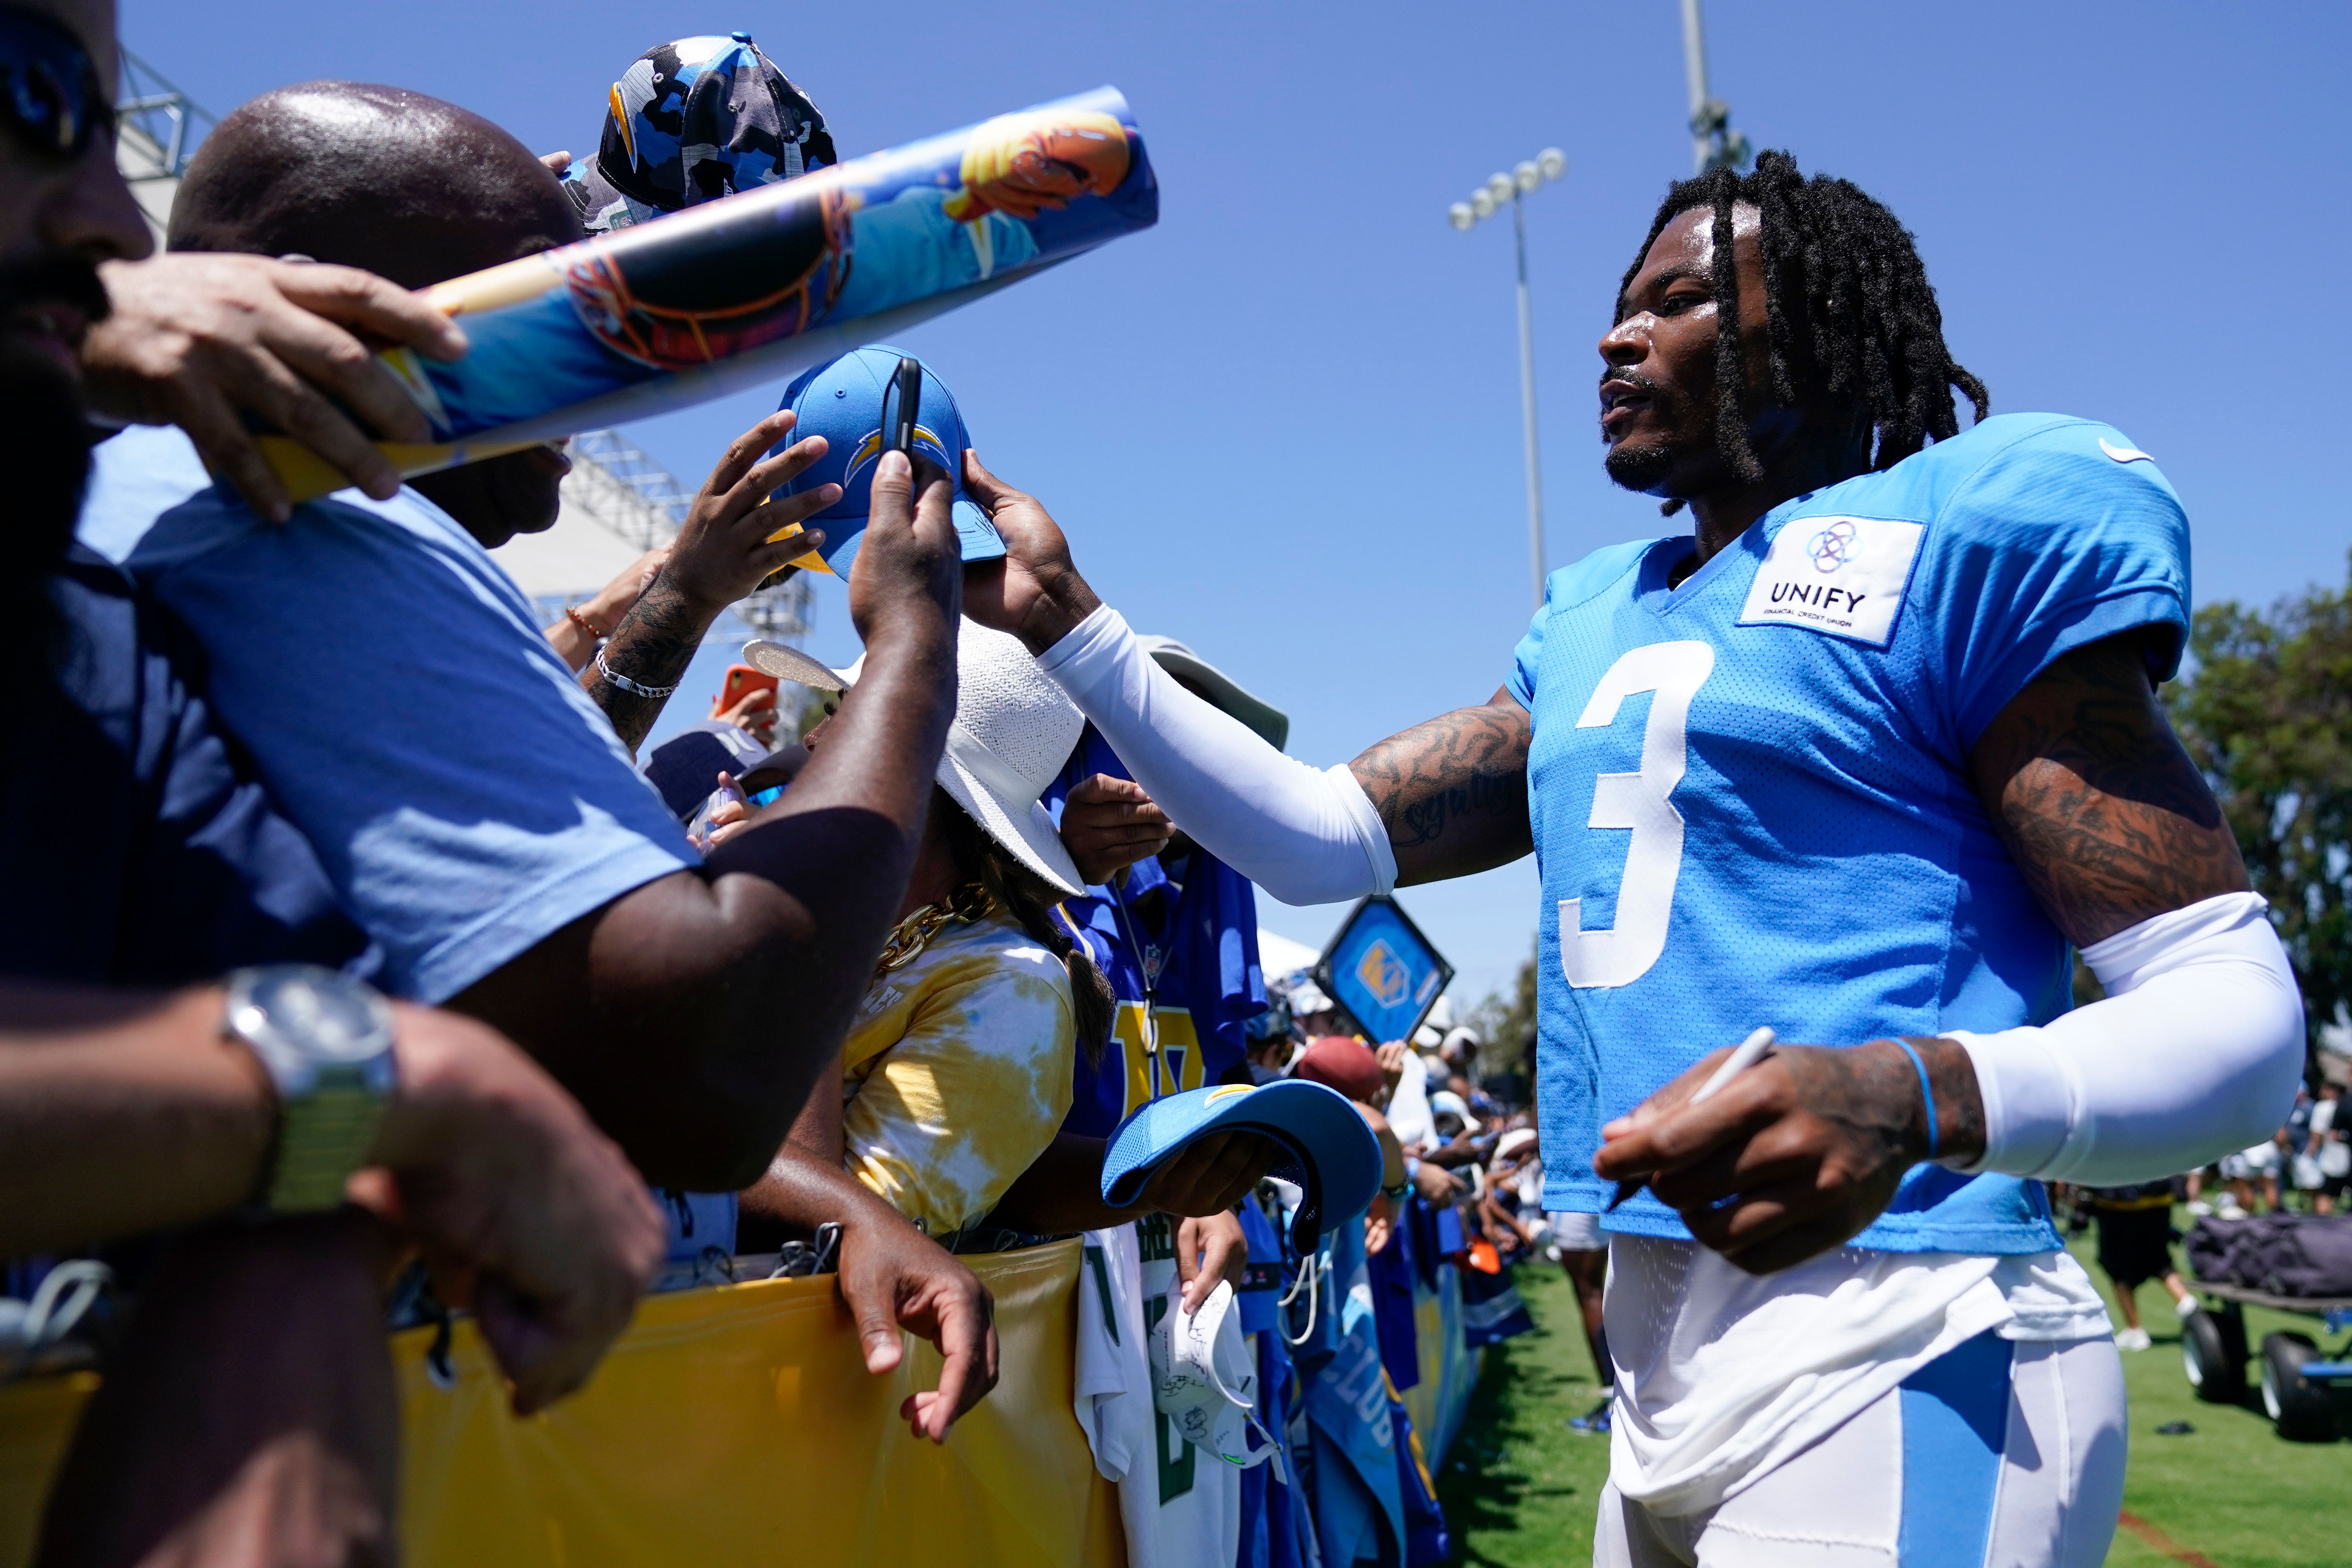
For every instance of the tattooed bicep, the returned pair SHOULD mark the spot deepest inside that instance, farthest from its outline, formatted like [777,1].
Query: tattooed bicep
[2097,800]
[1452,793]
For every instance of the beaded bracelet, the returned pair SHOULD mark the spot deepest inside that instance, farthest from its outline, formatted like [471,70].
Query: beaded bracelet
[571,613]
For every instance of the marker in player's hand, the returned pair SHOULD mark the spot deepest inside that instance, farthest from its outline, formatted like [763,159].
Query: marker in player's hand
[1748,1053]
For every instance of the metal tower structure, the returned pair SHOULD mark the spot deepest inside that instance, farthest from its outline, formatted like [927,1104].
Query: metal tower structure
[160,128]
[1714,143]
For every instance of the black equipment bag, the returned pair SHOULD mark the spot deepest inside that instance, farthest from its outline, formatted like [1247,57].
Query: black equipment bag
[2283,1254]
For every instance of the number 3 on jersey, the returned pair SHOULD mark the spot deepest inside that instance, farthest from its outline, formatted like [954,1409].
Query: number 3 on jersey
[1622,954]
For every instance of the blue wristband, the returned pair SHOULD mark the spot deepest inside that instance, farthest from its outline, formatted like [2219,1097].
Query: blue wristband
[1927,1093]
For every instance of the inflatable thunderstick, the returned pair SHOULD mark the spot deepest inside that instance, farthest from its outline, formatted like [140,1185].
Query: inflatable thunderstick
[755,287]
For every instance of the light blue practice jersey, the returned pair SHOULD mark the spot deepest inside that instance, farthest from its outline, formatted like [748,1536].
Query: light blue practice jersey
[1751,797]
[464,796]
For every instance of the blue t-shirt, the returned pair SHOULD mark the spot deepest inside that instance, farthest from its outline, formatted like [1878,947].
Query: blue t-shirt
[1751,797]
[464,796]
[136,847]
[1181,954]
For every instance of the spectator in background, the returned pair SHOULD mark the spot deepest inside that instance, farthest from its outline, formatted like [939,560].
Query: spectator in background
[1354,1070]
[137,853]
[1350,1067]
[2252,1174]
[957,1073]
[1408,1101]
[2193,1188]
[2299,1169]
[1460,1054]
[1461,1138]
[2327,1148]
[1315,1016]
[1507,1215]
[2135,1226]
[1270,1043]
[1452,1116]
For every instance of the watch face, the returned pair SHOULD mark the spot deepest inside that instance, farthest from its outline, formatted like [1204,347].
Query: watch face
[336,1022]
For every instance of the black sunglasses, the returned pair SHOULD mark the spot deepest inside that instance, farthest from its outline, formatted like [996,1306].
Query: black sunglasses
[50,94]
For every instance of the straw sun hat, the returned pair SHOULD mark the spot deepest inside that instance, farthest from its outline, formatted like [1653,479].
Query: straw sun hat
[1014,730]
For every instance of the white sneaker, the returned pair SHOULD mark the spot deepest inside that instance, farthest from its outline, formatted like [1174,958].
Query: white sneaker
[2188,1307]
[2132,1340]
[2229,1210]
[2200,1208]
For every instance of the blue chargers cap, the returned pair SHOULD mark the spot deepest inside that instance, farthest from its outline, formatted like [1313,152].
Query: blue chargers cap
[841,400]
[1328,1150]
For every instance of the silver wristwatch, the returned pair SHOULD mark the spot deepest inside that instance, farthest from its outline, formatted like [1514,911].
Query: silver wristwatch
[325,1040]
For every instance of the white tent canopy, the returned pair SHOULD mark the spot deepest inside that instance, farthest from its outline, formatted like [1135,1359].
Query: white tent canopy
[1277,955]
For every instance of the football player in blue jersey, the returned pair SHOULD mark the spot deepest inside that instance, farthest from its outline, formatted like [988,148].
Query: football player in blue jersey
[1862,758]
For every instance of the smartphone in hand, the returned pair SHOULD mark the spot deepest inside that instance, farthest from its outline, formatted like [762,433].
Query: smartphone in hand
[741,681]
[902,408]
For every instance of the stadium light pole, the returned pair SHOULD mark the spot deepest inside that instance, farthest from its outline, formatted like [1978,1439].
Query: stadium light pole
[1530,175]
[1714,143]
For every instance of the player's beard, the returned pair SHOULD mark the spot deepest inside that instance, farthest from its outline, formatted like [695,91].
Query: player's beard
[45,441]
[1648,465]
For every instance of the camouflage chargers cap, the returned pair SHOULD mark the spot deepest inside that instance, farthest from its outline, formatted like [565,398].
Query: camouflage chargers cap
[691,121]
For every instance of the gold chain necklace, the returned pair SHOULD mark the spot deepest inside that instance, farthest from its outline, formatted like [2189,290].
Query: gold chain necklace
[967,904]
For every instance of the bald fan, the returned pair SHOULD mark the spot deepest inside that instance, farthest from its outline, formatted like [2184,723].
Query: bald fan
[405,185]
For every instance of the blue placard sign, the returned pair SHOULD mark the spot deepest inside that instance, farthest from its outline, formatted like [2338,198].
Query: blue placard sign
[1383,970]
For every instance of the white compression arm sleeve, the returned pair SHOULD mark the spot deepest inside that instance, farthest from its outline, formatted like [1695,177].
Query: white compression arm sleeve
[1305,836]
[2195,1053]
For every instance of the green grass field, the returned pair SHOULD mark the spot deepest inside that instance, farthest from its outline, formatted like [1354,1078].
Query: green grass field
[1519,1487]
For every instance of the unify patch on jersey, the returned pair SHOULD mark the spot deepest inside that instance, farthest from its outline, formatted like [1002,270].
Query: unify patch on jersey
[1842,575]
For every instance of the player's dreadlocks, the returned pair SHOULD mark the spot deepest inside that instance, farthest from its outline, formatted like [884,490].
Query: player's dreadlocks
[1850,308]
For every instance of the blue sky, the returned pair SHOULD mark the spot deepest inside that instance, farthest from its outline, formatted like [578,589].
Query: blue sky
[1283,425]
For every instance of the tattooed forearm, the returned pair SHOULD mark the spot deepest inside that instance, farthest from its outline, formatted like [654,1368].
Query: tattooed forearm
[1452,793]
[1959,1103]
[1424,820]
[2101,807]
[652,647]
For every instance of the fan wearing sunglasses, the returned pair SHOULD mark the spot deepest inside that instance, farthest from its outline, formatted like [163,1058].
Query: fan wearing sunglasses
[128,1109]
[211,343]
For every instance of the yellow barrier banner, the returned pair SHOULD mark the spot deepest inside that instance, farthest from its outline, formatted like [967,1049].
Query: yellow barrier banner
[37,1421]
[736,1425]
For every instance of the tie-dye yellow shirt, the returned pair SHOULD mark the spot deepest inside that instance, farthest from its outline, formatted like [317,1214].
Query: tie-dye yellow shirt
[955,1074]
